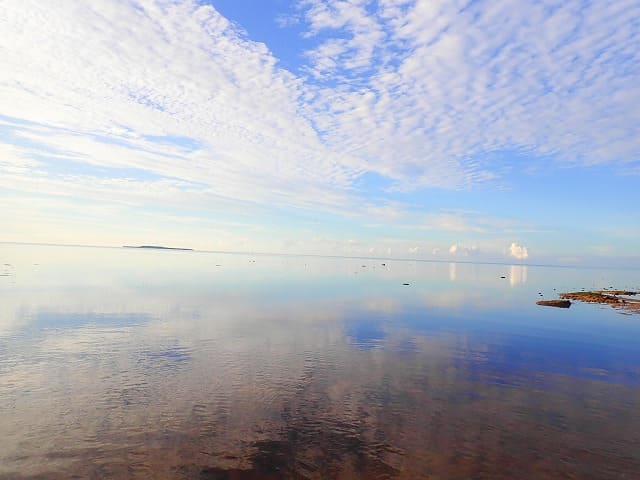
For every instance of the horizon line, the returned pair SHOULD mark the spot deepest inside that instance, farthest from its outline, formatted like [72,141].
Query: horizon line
[319,255]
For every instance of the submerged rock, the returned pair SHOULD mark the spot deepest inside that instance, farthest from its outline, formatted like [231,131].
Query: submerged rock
[554,303]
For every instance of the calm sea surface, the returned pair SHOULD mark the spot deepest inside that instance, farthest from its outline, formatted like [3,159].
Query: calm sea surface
[136,364]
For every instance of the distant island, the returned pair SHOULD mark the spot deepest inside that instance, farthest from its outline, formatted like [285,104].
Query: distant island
[156,247]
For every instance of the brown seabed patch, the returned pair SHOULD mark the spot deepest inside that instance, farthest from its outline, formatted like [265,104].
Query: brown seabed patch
[616,298]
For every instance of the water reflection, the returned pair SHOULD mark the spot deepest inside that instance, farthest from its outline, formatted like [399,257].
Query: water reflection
[517,274]
[165,366]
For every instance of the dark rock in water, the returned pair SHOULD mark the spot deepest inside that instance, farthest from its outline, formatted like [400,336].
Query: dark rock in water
[503,277]
[405,284]
[554,303]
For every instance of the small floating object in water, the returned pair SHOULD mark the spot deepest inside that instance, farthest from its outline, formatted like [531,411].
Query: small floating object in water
[554,303]
[406,284]
[503,276]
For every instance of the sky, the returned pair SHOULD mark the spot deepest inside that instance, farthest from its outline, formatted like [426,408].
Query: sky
[473,130]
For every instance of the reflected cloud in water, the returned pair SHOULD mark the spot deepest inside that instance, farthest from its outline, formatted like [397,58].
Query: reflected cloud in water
[453,271]
[165,366]
[517,274]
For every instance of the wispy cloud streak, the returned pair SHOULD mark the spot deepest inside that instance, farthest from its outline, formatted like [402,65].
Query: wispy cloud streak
[171,88]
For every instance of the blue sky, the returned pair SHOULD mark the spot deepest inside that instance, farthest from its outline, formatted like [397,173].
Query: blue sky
[449,130]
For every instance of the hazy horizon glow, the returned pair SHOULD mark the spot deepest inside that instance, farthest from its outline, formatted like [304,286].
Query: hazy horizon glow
[410,128]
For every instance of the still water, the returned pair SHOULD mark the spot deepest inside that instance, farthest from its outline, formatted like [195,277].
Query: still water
[120,363]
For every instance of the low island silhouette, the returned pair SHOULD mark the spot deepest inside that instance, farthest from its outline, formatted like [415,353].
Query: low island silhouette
[156,247]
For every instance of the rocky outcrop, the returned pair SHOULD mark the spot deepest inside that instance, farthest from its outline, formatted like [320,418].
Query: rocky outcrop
[554,303]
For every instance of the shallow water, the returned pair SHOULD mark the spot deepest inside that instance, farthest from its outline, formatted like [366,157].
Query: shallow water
[119,363]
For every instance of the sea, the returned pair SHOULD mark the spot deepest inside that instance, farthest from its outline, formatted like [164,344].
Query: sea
[121,363]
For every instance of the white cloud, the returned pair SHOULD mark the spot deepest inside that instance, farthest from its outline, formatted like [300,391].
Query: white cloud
[414,249]
[454,80]
[153,103]
[518,251]
[414,89]
[467,221]
[171,89]
[462,250]
[602,249]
